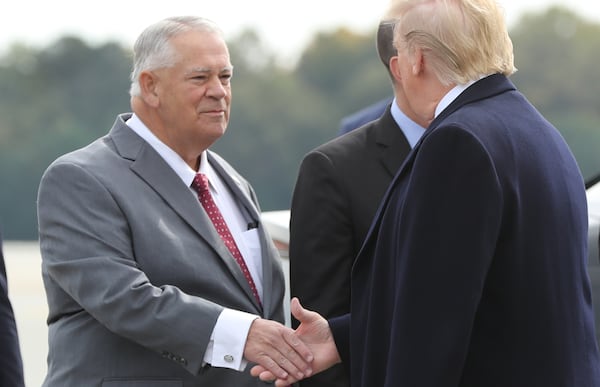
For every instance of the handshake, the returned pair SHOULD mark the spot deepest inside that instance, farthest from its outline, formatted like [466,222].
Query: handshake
[308,350]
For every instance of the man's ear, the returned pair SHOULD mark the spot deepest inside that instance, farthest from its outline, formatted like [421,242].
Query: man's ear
[149,88]
[418,62]
[395,68]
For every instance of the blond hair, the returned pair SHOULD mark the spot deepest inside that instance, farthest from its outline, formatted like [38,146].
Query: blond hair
[462,40]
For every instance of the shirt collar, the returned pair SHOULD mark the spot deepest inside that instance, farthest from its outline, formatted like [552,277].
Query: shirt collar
[453,94]
[181,168]
[412,131]
[450,97]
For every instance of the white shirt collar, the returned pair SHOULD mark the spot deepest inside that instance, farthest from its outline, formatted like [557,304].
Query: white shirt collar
[451,96]
[181,168]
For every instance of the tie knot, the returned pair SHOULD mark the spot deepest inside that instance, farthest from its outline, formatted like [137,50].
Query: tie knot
[200,182]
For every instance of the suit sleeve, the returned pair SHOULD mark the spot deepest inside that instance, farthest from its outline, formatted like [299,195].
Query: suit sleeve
[447,227]
[88,253]
[340,329]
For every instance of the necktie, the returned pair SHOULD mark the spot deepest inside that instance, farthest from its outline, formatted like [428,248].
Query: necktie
[200,184]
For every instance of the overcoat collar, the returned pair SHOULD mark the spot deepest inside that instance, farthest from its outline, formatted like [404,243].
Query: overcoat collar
[484,88]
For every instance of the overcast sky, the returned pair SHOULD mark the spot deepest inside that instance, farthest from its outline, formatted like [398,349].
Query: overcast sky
[286,26]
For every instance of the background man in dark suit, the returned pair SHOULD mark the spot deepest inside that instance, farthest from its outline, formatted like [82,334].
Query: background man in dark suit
[474,272]
[142,289]
[11,365]
[338,190]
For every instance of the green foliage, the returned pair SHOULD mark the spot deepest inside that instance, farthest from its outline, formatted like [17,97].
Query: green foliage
[344,67]
[53,100]
[58,98]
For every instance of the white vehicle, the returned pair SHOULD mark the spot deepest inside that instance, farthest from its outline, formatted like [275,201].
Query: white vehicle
[593,198]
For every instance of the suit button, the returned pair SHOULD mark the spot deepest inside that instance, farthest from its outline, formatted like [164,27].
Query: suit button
[228,358]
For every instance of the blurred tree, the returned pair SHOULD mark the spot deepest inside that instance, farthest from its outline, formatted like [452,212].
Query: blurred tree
[275,119]
[52,101]
[344,67]
[58,98]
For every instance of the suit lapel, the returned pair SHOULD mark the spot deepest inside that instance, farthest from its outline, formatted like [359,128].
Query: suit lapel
[230,178]
[390,142]
[151,168]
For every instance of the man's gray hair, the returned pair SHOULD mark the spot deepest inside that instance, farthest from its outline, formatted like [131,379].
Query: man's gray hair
[153,50]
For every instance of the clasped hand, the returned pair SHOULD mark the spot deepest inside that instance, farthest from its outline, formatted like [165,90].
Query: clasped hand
[311,349]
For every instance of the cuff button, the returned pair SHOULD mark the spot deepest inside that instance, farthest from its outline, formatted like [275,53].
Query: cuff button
[228,358]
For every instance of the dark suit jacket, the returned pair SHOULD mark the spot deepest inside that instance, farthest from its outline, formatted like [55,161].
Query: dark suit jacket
[338,190]
[135,274]
[474,271]
[11,366]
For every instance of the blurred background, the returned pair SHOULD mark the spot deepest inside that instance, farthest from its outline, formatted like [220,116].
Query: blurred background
[299,68]
[59,95]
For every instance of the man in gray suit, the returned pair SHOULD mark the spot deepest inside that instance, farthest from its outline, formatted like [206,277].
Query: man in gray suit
[142,290]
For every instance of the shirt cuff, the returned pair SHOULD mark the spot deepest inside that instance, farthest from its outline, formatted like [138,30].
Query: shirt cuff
[228,339]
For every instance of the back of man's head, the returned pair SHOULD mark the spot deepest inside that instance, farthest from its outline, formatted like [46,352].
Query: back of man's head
[462,40]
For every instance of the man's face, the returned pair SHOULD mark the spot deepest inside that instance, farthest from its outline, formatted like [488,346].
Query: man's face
[194,96]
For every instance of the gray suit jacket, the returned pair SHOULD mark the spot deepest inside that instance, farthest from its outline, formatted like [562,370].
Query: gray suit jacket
[134,272]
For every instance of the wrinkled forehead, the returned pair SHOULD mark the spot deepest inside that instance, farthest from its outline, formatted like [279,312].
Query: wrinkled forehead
[202,49]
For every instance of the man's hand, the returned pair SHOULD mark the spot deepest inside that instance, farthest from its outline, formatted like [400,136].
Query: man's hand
[315,334]
[277,350]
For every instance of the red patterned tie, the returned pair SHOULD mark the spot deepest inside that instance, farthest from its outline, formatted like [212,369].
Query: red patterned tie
[200,184]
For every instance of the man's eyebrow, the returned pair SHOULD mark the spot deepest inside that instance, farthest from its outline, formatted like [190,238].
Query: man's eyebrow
[208,70]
